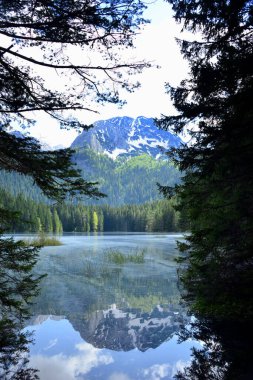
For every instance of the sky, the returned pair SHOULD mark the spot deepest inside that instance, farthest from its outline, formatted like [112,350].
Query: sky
[155,43]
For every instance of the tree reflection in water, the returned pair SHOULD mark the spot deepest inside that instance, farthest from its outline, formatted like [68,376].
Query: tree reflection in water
[14,351]
[226,350]
[17,287]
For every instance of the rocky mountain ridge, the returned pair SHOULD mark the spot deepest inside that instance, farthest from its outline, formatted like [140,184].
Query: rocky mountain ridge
[124,329]
[121,136]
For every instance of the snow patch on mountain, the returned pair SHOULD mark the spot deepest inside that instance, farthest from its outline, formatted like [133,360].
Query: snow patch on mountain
[115,153]
[127,136]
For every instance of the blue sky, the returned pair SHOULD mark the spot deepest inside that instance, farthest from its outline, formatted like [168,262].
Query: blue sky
[155,43]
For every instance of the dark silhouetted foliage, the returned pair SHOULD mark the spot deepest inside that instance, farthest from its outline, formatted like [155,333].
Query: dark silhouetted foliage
[36,37]
[40,36]
[216,191]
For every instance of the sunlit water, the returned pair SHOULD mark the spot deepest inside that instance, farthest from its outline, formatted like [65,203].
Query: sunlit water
[95,319]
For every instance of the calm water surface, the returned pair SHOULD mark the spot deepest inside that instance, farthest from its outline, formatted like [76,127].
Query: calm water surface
[95,319]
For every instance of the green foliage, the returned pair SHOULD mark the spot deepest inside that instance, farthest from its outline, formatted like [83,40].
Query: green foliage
[113,177]
[42,240]
[158,216]
[147,302]
[17,284]
[29,25]
[56,222]
[17,184]
[118,257]
[216,191]
[94,221]
[52,171]
[222,355]
[126,180]
[13,350]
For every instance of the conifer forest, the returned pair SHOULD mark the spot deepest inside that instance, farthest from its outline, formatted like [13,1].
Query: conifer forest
[131,242]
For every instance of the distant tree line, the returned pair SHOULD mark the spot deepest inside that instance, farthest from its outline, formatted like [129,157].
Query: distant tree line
[157,216]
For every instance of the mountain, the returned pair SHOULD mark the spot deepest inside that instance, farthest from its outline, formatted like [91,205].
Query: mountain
[115,306]
[125,180]
[125,136]
[124,329]
[124,155]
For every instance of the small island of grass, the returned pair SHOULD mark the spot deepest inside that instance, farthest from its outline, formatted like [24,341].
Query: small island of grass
[43,240]
[117,257]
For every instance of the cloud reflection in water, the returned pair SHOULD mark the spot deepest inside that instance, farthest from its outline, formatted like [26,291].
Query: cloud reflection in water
[60,366]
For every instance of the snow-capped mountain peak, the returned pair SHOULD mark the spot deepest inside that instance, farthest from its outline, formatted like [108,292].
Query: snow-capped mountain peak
[127,136]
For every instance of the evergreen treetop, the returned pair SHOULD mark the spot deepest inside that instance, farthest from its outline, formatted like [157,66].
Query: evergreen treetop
[216,190]
[217,98]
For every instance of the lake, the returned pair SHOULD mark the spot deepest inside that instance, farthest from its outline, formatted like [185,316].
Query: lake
[98,318]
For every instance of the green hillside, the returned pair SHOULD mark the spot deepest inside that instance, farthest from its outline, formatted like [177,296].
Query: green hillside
[125,180]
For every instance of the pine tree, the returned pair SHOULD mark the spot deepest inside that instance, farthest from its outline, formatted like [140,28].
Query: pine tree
[57,225]
[216,191]
[48,27]
[94,221]
[100,221]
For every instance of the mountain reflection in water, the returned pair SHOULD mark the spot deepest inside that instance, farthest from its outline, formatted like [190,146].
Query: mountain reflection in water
[124,330]
[133,309]
[95,319]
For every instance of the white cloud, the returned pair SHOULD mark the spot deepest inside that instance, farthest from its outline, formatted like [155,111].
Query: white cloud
[155,43]
[47,130]
[164,371]
[179,366]
[157,371]
[60,366]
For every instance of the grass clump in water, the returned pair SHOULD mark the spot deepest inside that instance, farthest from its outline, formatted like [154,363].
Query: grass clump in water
[43,240]
[118,257]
